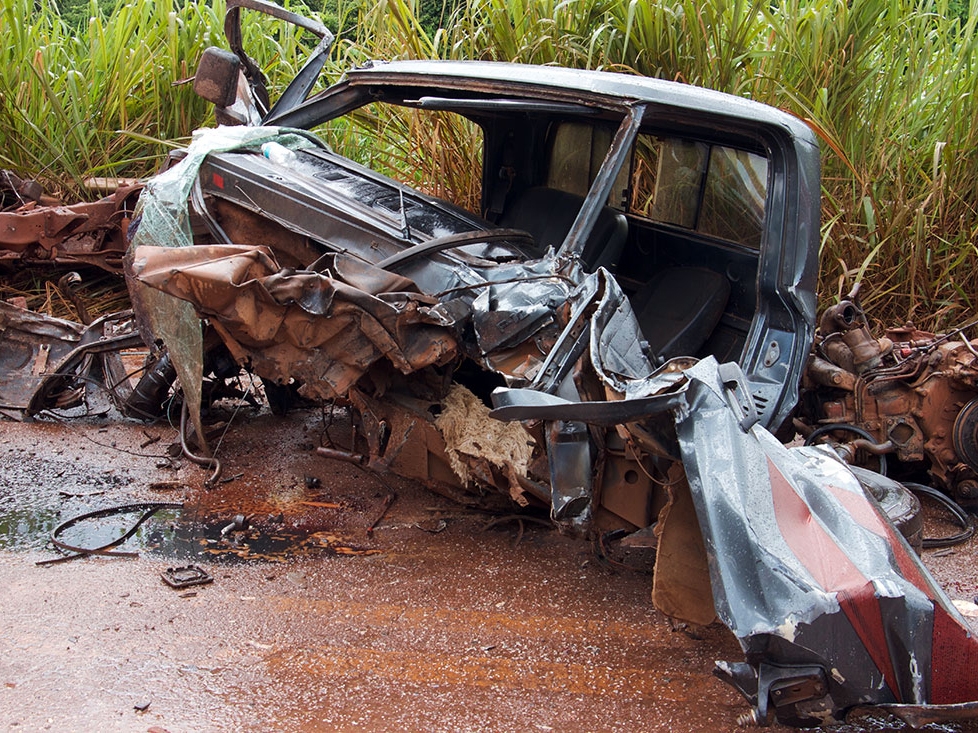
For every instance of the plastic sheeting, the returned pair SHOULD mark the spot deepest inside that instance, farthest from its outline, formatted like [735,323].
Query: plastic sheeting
[162,219]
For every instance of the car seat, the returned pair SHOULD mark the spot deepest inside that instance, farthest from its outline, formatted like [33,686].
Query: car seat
[548,214]
[678,309]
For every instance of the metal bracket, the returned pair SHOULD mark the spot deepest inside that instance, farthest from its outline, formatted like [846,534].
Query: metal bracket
[738,394]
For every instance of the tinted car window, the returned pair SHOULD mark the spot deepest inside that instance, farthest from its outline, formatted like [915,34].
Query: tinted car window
[711,189]
[734,196]
[577,151]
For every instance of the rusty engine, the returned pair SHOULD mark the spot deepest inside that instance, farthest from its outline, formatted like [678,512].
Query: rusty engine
[909,398]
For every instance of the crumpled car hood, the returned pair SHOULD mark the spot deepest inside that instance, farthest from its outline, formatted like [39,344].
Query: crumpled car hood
[277,320]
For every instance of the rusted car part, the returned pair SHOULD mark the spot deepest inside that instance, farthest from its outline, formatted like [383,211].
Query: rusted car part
[51,363]
[186,576]
[16,191]
[80,234]
[276,321]
[909,398]
[833,609]
[629,235]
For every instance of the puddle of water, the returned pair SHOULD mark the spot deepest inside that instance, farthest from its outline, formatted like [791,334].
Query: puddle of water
[25,528]
[40,491]
[170,534]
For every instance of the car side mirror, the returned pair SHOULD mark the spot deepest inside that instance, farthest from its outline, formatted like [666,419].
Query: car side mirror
[217,76]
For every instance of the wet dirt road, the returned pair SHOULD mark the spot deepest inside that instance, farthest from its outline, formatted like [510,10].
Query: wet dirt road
[431,623]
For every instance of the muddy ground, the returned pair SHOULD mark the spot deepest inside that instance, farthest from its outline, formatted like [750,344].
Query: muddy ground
[432,622]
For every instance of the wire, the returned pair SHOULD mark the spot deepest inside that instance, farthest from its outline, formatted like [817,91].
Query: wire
[967,529]
[206,461]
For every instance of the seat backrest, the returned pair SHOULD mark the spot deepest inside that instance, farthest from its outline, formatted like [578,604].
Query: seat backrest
[548,214]
[679,308]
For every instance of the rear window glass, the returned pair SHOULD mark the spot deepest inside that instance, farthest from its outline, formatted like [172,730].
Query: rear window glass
[577,151]
[711,189]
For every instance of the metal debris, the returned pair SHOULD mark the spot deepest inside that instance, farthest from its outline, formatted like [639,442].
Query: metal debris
[909,398]
[40,231]
[185,576]
[51,363]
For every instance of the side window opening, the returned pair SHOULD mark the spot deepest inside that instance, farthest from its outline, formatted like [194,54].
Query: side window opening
[711,189]
[436,152]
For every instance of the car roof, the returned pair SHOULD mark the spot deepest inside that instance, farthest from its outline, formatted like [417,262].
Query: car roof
[612,88]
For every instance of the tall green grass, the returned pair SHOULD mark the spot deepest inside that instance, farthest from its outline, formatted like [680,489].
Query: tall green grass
[889,86]
[106,100]
[73,106]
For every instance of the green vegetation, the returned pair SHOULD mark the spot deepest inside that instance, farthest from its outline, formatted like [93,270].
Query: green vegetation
[889,85]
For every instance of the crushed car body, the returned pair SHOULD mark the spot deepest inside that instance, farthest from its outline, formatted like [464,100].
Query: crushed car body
[35,229]
[611,329]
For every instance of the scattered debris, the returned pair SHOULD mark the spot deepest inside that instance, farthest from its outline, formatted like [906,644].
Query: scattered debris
[388,500]
[148,509]
[186,576]
[150,439]
[167,486]
[432,526]
[239,524]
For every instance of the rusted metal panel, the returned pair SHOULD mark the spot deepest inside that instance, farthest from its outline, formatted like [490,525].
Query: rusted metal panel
[325,329]
[83,233]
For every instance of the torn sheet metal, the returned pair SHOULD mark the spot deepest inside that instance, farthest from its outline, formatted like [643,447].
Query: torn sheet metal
[832,607]
[162,219]
[49,362]
[610,421]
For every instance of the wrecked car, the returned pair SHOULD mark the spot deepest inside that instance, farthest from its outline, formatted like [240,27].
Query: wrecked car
[611,327]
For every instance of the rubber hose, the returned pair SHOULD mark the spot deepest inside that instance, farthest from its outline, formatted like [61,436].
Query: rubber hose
[823,429]
[952,506]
